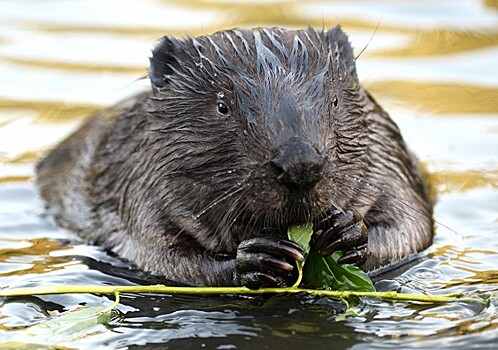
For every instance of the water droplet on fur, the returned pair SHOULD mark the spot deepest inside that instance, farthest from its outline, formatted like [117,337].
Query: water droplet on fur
[199,65]
[212,83]
[220,94]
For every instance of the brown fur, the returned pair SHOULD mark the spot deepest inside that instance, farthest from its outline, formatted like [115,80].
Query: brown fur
[169,182]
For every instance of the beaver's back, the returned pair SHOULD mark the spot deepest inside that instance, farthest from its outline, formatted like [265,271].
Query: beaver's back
[62,176]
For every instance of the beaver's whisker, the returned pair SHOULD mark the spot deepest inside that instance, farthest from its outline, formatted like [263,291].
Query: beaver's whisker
[372,198]
[224,196]
[230,216]
[369,41]
[410,215]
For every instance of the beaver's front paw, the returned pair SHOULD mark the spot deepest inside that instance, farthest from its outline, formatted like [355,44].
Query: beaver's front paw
[267,262]
[343,230]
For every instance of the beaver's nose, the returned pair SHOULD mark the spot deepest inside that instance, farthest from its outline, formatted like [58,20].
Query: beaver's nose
[297,164]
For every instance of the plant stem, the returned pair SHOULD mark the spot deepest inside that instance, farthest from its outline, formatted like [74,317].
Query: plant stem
[161,289]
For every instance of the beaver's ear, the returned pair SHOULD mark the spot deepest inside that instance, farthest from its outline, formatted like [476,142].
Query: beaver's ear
[163,61]
[342,52]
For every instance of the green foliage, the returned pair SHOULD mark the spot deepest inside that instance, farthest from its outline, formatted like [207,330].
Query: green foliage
[325,272]
[301,235]
[69,325]
[59,329]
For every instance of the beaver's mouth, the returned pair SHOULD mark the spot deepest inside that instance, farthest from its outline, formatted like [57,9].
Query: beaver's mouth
[296,212]
[269,207]
[303,208]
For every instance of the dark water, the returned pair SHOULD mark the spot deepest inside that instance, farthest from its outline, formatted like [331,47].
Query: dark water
[432,65]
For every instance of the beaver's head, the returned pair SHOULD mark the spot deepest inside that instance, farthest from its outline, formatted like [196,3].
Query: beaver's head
[261,124]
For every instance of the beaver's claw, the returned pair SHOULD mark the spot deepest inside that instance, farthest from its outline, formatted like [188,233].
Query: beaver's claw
[343,230]
[267,262]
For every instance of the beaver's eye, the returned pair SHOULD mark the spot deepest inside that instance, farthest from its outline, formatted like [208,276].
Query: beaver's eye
[222,109]
[335,101]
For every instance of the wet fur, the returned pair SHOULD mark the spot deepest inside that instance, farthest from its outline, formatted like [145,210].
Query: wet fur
[170,184]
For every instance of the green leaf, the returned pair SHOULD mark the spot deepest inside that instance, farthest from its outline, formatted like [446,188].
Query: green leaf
[68,326]
[351,311]
[301,234]
[326,273]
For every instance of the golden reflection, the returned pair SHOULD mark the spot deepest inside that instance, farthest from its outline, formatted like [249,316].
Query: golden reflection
[468,326]
[241,13]
[37,254]
[460,325]
[460,181]
[232,14]
[233,4]
[75,67]
[151,33]
[491,3]
[266,19]
[280,13]
[476,278]
[39,246]
[276,13]
[50,110]
[441,98]
[442,41]
[5,179]
[461,260]
[24,158]
[148,33]
[457,253]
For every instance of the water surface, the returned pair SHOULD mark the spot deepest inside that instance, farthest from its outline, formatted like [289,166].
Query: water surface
[432,65]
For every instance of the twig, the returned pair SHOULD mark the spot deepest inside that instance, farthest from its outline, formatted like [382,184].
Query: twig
[162,289]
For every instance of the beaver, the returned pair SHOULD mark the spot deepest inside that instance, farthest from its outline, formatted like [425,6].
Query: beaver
[243,133]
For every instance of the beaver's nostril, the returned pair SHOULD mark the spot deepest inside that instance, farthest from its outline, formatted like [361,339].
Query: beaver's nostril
[297,164]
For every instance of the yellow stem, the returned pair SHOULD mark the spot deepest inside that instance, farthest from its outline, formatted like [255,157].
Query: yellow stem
[161,289]
[116,302]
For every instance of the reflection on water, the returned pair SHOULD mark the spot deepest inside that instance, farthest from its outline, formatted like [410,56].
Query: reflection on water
[440,98]
[442,41]
[432,65]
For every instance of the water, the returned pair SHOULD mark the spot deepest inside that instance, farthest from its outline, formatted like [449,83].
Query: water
[432,65]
